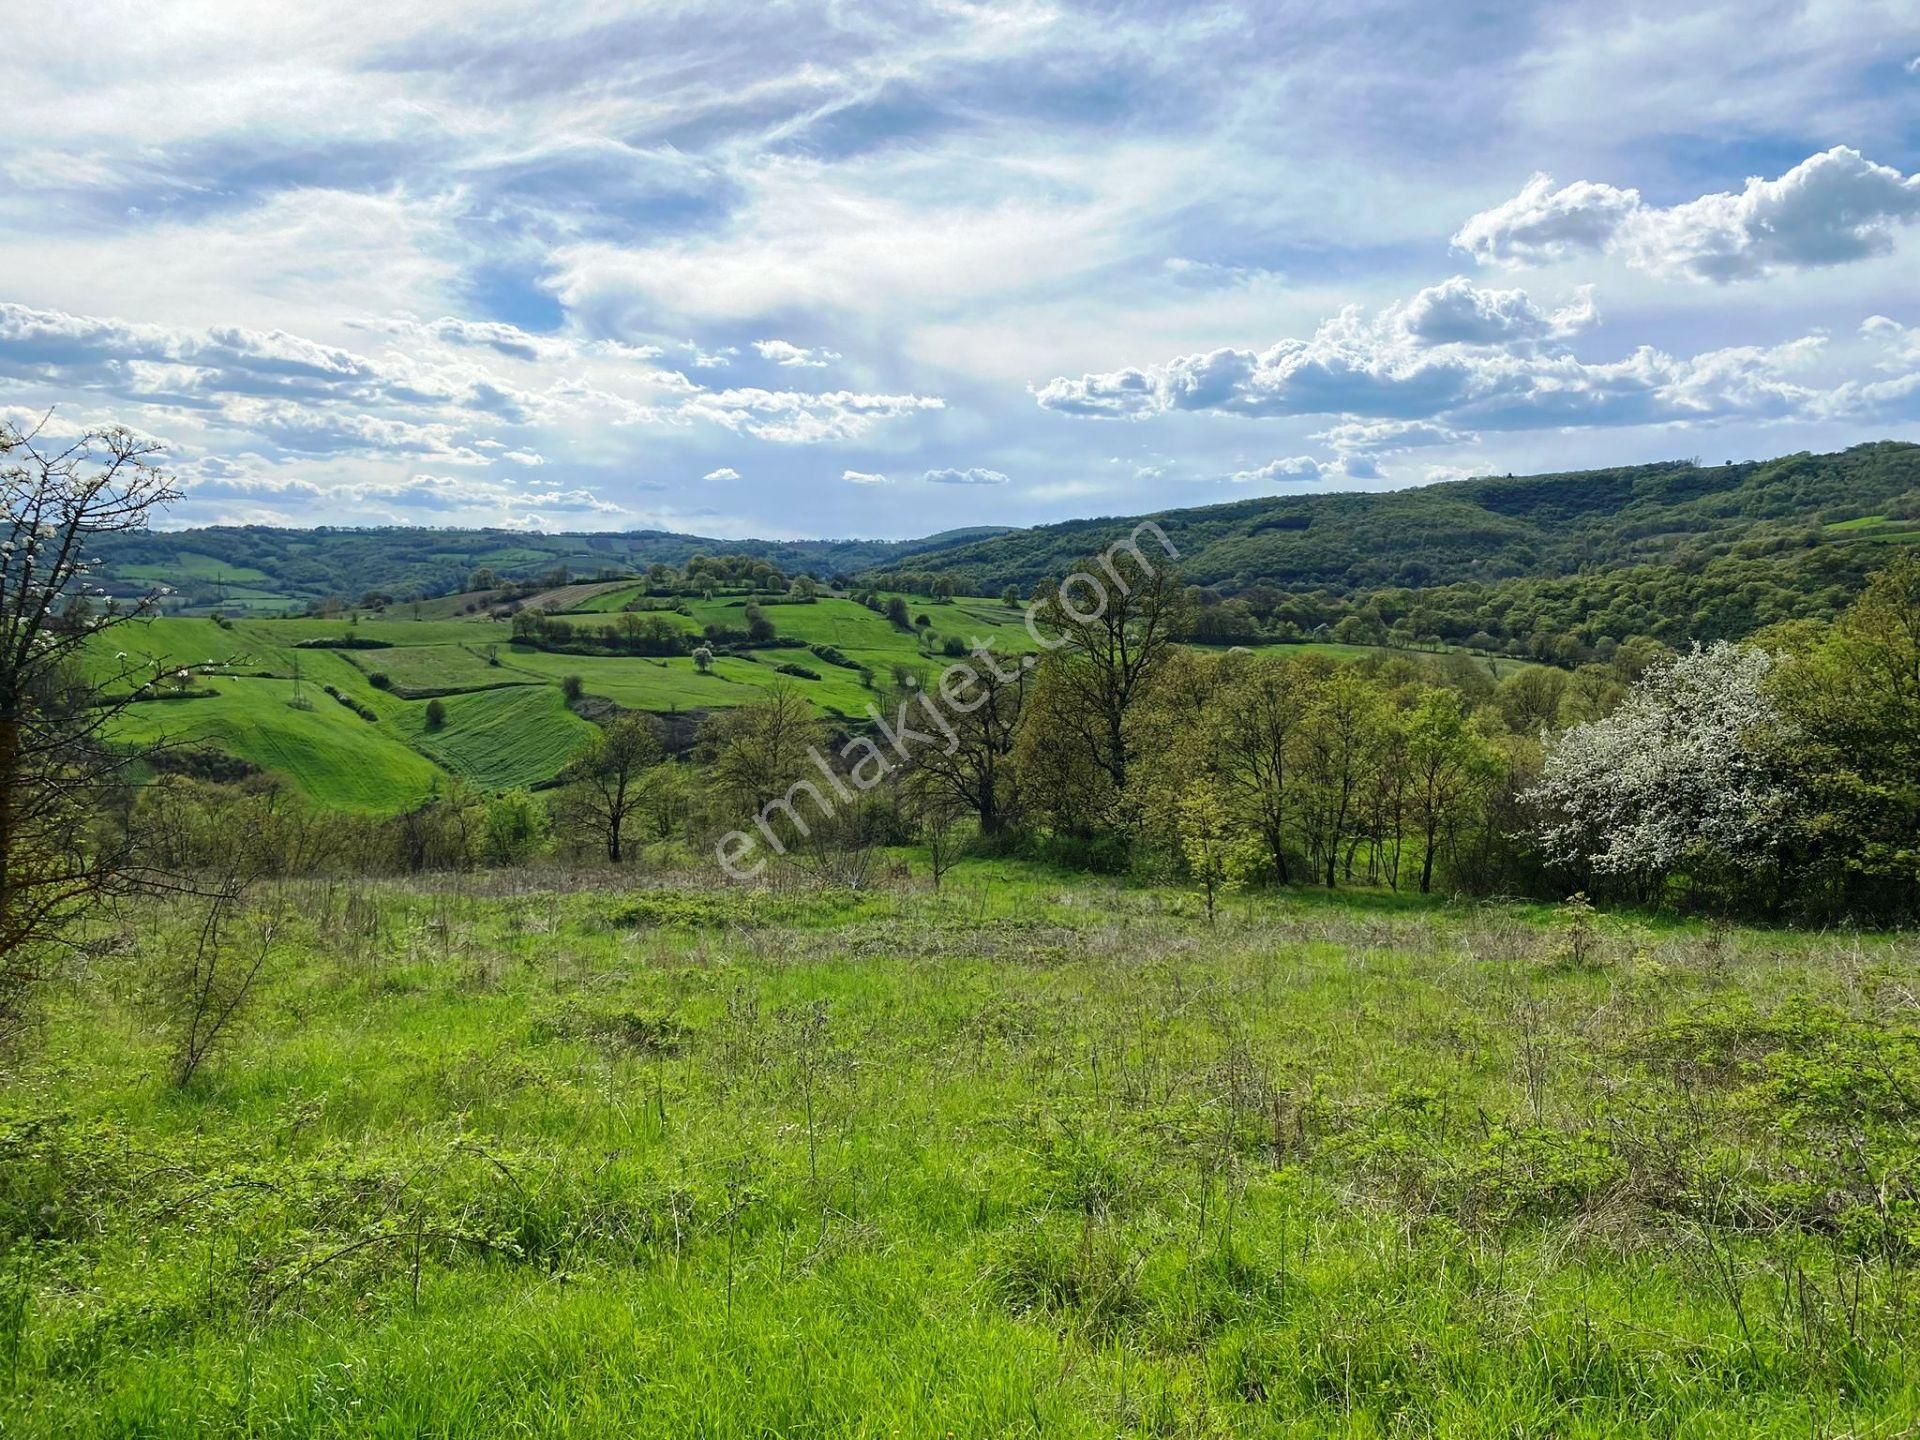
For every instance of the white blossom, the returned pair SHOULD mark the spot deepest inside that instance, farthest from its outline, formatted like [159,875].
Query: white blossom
[1683,771]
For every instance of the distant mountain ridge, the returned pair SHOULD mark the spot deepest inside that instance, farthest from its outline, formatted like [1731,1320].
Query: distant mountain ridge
[1479,532]
[1482,530]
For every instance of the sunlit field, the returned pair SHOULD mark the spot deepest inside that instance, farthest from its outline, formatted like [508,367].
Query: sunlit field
[584,1153]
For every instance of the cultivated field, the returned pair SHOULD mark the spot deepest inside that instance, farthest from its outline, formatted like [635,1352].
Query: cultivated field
[555,1154]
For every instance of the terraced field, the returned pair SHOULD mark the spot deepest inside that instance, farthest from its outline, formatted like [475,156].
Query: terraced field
[507,723]
[325,749]
[499,739]
[421,670]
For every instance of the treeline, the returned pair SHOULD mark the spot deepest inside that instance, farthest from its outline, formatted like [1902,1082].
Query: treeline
[637,632]
[1780,777]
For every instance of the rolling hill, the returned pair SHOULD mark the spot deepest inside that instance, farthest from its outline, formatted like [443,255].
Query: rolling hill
[1484,532]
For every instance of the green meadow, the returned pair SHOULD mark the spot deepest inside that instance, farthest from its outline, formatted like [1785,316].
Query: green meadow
[581,1153]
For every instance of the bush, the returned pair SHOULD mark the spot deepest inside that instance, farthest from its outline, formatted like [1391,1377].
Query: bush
[573,687]
[380,680]
[832,656]
[436,715]
[360,708]
[799,671]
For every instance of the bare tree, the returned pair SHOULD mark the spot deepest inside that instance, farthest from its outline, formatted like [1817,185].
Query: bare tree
[1115,626]
[607,780]
[983,704]
[941,815]
[204,993]
[61,686]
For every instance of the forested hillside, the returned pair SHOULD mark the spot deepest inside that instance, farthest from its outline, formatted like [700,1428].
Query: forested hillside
[1487,530]
[1548,564]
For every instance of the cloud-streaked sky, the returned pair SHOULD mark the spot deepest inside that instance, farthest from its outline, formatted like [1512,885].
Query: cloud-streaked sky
[880,269]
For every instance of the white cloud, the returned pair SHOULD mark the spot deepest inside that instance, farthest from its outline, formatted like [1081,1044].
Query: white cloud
[1390,437]
[785,353]
[801,418]
[1902,342]
[1293,468]
[971,476]
[1542,223]
[1371,369]
[863,477]
[476,499]
[725,472]
[1458,312]
[1830,209]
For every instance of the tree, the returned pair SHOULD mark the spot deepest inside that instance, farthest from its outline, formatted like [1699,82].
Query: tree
[436,714]
[1452,763]
[1687,773]
[702,659]
[1219,852]
[604,782]
[757,751]
[572,687]
[1114,635]
[1340,735]
[940,816]
[1258,718]
[55,711]
[979,773]
[1529,699]
[1010,597]
[1853,698]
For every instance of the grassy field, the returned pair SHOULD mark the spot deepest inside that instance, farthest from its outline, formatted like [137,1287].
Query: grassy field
[335,756]
[325,749]
[1038,1156]
[499,739]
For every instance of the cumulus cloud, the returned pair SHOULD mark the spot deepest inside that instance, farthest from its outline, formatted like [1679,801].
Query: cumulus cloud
[1390,437]
[971,476]
[1293,468]
[1458,312]
[1372,369]
[1830,209]
[862,477]
[1543,223]
[437,401]
[785,353]
[725,472]
[800,417]
[1902,342]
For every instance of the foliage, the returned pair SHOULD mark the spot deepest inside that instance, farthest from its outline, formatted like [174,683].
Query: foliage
[57,773]
[1686,774]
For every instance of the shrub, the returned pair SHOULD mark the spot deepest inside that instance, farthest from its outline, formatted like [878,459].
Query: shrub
[799,671]
[380,680]
[436,715]
[573,687]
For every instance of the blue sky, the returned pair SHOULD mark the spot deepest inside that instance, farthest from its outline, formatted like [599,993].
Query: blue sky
[872,269]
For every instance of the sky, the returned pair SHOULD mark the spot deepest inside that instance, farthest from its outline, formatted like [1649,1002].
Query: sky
[873,269]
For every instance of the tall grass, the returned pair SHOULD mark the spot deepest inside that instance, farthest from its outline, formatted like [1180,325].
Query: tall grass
[1038,1156]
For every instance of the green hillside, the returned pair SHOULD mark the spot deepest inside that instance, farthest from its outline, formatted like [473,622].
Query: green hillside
[1482,529]
[499,739]
[1678,550]
[507,722]
[246,568]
